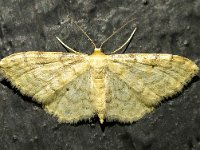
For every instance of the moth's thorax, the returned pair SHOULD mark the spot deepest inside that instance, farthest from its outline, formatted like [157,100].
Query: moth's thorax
[98,64]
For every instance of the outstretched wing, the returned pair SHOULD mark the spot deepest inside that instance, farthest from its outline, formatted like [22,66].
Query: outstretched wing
[137,82]
[60,81]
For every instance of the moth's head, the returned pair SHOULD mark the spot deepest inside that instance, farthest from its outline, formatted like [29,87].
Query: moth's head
[97,51]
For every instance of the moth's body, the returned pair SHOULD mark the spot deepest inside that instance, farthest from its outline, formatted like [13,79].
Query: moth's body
[98,66]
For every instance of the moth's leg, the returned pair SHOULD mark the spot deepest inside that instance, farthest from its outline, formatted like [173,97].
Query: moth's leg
[116,31]
[125,42]
[66,46]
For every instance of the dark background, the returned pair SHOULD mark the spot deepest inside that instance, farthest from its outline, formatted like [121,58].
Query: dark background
[164,26]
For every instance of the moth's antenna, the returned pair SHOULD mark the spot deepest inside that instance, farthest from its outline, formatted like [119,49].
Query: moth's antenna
[119,29]
[125,42]
[66,46]
[86,35]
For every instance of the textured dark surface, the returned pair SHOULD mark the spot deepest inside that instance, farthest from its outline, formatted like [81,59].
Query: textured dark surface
[167,26]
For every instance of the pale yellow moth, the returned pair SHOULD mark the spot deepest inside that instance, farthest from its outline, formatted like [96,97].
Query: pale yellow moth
[76,86]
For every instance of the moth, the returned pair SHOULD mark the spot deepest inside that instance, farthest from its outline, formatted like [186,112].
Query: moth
[76,86]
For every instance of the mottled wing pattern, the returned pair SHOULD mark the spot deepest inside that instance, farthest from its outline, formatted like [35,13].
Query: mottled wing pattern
[137,82]
[122,101]
[60,81]
[73,103]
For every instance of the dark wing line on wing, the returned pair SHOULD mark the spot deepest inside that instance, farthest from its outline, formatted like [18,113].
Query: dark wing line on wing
[133,73]
[64,84]
[130,87]
[32,69]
